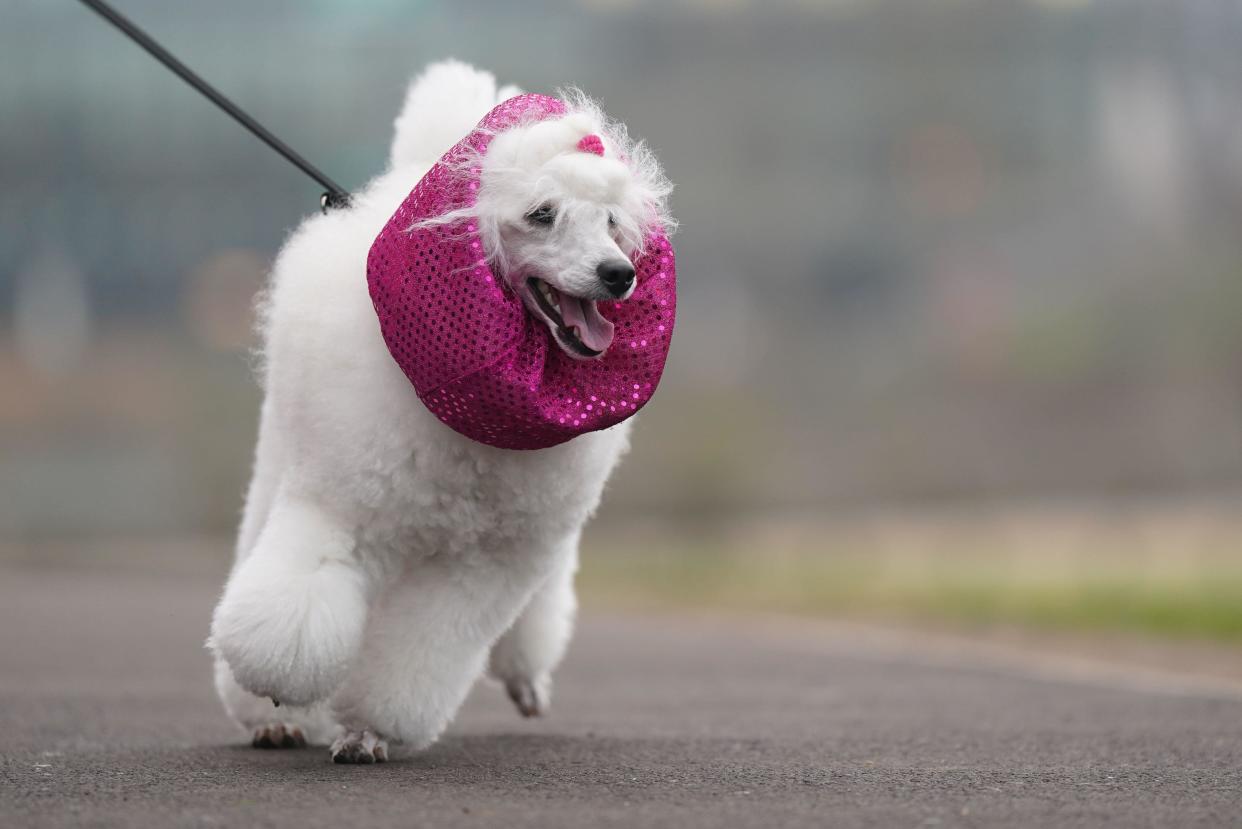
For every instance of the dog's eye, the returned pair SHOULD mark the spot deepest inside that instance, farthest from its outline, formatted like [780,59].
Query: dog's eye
[543,215]
[612,220]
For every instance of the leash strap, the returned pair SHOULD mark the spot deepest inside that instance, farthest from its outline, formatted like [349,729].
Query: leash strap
[335,196]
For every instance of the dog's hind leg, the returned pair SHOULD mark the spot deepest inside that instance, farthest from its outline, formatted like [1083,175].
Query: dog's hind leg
[292,615]
[426,644]
[525,656]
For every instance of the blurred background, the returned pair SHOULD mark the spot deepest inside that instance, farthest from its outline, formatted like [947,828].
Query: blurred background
[961,304]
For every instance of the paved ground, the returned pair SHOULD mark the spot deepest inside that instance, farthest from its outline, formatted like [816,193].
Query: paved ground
[108,719]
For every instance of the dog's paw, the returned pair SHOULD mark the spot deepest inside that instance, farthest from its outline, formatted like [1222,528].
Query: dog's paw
[360,747]
[531,696]
[278,735]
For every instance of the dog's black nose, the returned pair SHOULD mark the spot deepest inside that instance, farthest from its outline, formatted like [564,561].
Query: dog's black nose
[617,275]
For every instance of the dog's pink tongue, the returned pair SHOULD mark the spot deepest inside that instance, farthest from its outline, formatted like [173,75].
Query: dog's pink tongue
[581,314]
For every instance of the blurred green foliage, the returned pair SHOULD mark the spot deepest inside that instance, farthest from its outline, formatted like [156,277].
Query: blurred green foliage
[1131,572]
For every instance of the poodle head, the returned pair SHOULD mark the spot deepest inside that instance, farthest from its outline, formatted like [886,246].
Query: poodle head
[564,208]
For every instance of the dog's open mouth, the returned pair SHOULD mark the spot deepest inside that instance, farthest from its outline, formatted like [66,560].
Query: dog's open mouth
[578,325]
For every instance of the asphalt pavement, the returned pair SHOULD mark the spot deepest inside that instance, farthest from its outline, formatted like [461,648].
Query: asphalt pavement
[108,718]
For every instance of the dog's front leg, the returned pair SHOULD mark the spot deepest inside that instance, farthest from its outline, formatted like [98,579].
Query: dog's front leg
[293,612]
[268,726]
[426,643]
[525,656]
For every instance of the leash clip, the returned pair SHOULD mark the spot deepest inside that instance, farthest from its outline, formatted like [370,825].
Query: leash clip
[333,200]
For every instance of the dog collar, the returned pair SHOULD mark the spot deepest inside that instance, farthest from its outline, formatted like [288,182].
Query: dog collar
[476,358]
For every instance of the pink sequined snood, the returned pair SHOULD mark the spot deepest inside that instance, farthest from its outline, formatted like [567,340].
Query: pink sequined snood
[477,359]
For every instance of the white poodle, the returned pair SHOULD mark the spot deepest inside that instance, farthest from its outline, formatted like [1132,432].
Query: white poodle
[384,561]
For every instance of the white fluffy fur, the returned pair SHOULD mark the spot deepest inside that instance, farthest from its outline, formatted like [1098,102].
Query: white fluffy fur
[384,561]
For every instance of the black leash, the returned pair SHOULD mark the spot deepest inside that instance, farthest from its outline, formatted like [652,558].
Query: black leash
[336,196]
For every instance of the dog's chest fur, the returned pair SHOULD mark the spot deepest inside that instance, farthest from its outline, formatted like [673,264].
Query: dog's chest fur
[456,498]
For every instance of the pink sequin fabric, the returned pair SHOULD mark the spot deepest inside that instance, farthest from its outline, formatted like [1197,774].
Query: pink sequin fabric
[477,359]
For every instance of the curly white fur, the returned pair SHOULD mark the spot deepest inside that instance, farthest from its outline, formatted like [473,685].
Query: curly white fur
[383,560]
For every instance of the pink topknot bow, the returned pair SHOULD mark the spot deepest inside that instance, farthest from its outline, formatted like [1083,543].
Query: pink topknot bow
[592,144]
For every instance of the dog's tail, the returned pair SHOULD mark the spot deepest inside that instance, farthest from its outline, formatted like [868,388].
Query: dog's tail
[442,105]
